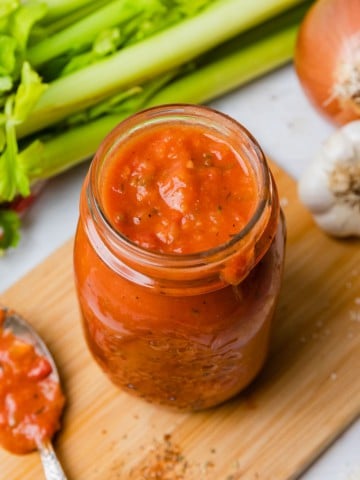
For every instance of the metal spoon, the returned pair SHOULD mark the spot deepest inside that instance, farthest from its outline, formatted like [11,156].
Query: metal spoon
[24,331]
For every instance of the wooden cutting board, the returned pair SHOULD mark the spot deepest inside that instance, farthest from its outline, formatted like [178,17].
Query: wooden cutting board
[306,395]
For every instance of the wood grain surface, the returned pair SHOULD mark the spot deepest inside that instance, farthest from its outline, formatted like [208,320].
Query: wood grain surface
[307,394]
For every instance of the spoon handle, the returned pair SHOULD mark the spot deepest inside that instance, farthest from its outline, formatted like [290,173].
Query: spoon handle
[51,465]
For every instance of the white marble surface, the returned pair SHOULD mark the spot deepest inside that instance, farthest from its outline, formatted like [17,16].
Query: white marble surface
[275,110]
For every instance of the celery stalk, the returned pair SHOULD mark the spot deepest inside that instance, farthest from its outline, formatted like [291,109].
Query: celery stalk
[59,8]
[55,25]
[49,158]
[247,57]
[258,55]
[84,31]
[149,58]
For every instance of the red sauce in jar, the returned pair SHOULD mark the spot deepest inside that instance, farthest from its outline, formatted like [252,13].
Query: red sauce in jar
[30,400]
[178,189]
[178,256]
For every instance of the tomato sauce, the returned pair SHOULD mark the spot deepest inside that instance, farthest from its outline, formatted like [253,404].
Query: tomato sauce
[178,189]
[178,256]
[30,400]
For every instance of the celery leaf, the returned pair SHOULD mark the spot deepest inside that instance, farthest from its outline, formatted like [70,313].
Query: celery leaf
[24,18]
[20,90]
[106,43]
[14,173]
[7,54]
[28,93]
[13,178]
[9,229]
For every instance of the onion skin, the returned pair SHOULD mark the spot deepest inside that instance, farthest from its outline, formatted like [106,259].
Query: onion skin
[320,53]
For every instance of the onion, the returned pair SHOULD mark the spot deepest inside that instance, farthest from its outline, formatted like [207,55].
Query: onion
[327,58]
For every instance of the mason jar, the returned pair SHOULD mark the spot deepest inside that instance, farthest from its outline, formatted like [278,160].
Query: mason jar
[190,326]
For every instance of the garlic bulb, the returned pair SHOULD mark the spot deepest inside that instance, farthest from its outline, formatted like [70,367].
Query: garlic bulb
[330,187]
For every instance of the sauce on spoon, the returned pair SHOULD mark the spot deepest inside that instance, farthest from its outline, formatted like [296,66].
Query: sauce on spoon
[31,400]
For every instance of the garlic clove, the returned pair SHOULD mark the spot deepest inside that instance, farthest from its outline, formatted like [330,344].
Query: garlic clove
[313,188]
[337,148]
[352,131]
[330,187]
[339,221]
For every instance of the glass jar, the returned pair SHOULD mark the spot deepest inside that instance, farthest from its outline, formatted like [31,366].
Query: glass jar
[184,330]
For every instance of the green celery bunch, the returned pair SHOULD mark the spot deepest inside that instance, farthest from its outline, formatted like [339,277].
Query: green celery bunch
[70,70]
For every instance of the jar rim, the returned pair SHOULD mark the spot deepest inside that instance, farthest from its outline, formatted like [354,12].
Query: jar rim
[159,115]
